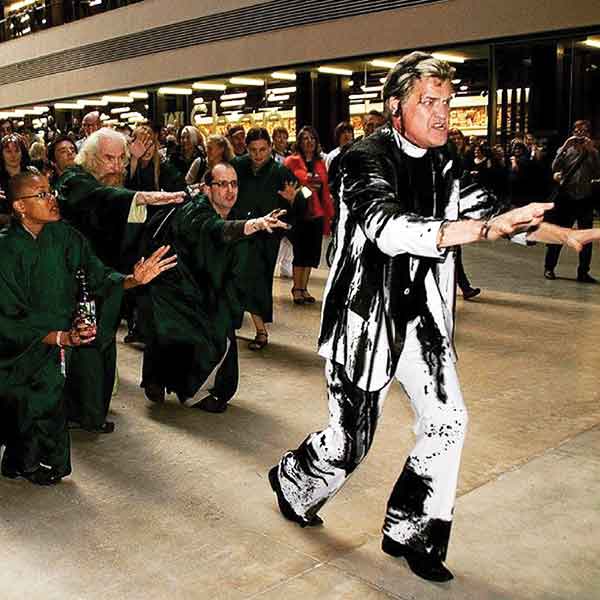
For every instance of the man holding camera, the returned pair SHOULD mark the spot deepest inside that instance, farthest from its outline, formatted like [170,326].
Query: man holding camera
[577,163]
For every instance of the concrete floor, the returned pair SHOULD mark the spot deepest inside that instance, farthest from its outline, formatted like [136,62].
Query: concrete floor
[175,504]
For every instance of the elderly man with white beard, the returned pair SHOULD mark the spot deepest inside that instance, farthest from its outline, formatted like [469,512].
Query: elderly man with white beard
[92,199]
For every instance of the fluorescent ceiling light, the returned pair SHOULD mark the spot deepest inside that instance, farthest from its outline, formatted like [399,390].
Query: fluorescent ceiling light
[283,75]
[129,115]
[246,81]
[121,109]
[371,88]
[175,91]
[362,96]
[234,96]
[268,109]
[41,108]
[386,64]
[334,71]
[205,85]
[592,43]
[463,88]
[139,95]
[455,58]
[117,98]
[67,106]
[199,100]
[233,103]
[275,98]
[92,102]
[104,117]
[283,90]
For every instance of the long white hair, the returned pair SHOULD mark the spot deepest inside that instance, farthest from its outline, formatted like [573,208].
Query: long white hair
[87,157]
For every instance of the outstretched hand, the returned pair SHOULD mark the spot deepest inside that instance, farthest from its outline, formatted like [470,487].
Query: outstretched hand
[289,192]
[139,146]
[146,269]
[272,221]
[578,238]
[517,220]
[159,198]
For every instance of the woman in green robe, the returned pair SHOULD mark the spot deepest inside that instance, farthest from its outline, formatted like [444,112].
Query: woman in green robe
[38,334]
[265,185]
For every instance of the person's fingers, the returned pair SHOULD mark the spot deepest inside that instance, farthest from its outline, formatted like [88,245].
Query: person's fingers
[167,261]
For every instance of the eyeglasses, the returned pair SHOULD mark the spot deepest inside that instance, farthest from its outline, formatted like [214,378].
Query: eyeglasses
[39,196]
[224,184]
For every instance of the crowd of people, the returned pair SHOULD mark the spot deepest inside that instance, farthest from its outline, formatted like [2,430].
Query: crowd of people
[199,226]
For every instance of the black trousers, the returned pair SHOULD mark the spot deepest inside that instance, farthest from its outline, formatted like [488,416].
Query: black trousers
[568,212]
[174,367]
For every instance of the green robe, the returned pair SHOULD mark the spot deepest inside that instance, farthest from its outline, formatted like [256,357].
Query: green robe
[190,312]
[100,213]
[257,196]
[38,294]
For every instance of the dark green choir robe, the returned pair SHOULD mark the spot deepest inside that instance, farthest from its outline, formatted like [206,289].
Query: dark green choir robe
[100,213]
[189,314]
[38,294]
[258,196]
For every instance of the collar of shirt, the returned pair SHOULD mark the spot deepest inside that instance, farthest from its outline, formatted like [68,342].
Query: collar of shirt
[408,147]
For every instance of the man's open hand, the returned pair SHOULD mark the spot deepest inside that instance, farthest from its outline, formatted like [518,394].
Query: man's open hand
[146,269]
[517,220]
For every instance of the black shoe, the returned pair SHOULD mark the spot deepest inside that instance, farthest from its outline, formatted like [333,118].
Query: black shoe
[106,427]
[471,293]
[549,274]
[212,404]
[132,337]
[155,392]
[285,507]
[586,278]
[41,476]
[422,564]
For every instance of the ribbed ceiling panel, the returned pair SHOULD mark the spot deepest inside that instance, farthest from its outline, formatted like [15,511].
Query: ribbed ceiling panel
[250,20]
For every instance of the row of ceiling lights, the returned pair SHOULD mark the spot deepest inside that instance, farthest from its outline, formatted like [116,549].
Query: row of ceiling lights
[226,100]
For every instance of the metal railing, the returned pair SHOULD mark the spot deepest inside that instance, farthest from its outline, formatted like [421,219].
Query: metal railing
[43,14]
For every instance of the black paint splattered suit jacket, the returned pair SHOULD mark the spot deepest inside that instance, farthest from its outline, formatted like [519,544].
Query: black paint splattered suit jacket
[388,272]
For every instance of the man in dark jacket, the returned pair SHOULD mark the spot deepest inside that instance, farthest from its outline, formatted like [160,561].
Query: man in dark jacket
[388,313]
[576,165]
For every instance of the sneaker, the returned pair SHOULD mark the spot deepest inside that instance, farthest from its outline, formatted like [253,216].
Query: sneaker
[549,274]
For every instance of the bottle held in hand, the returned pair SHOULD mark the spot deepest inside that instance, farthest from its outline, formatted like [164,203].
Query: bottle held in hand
[85,312]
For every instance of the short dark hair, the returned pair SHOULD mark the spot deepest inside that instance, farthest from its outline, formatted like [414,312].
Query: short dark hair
[280,129]
[233,129]
[257,133]
[343,127]
[19,181]
[57,140]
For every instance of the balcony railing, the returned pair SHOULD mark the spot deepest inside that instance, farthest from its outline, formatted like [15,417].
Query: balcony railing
[24,17]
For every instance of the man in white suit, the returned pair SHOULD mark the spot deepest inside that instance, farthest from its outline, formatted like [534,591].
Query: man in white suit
[388,313]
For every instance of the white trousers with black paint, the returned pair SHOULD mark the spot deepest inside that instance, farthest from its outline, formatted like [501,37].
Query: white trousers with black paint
[419,512]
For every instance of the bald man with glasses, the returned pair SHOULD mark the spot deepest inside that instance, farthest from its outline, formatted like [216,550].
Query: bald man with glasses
[189,319]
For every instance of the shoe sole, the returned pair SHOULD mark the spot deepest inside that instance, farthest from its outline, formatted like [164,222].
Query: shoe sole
[284,506]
